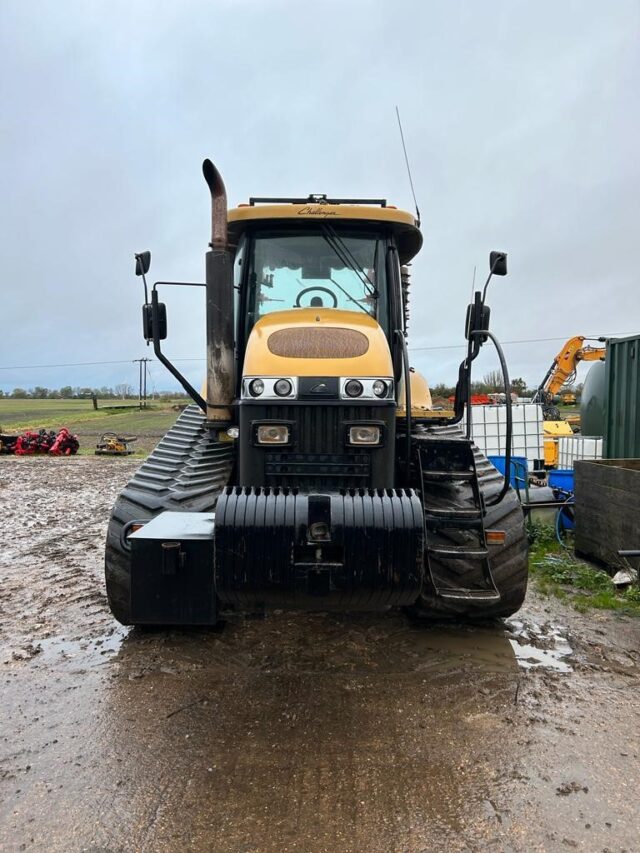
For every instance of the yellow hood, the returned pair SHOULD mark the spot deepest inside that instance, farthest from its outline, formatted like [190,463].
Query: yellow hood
[317,342]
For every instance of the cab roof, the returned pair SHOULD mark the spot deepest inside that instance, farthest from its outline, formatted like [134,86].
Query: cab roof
[319,208]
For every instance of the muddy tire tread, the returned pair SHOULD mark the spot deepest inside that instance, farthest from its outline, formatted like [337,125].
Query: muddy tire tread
[185,473]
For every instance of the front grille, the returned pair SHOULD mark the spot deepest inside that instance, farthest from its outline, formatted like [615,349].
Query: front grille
[320,470]
[319,459]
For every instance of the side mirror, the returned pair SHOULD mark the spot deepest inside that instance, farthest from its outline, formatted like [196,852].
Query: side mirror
[497,263]
[143,262]
[147,321]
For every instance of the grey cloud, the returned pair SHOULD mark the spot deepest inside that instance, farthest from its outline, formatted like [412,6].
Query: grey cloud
[521,121]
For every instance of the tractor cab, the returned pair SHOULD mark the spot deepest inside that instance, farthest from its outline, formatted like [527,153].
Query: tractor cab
[320,253]
[320,318]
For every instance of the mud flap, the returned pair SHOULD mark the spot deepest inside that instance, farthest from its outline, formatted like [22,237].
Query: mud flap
[352,550]
[172,579]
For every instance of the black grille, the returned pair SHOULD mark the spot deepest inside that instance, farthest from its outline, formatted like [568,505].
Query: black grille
[320,470]
[319,459]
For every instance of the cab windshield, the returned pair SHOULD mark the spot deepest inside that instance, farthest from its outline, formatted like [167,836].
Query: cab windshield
[319,268]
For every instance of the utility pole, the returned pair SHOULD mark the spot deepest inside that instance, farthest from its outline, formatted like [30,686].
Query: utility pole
[142,381]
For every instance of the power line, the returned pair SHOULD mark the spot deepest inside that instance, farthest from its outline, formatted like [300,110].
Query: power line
[69,364]
[82,364]
[522,341]
[413,349]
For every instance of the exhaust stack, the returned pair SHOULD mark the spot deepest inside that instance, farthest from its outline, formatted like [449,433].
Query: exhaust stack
[219,278]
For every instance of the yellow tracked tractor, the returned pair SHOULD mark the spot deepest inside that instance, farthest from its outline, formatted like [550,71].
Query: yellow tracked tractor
[311,472]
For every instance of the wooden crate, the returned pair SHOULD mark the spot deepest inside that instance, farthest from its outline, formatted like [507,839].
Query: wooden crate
[607,509]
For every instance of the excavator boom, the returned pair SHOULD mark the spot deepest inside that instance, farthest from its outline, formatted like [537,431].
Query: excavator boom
[564,364]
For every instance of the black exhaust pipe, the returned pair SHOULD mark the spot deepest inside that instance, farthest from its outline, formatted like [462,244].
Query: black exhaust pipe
[219,278]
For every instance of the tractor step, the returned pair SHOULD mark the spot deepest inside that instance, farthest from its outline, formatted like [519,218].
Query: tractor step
[458,553]
[448,475]
[469,594]
[445,462]
[462,519]
[457,513]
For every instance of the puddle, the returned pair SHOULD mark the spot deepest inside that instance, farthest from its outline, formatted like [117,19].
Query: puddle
[56,648]
[297,644]
[539,646]
[530,657]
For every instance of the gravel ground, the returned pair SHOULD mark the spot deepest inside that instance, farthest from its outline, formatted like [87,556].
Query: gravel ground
[297,732]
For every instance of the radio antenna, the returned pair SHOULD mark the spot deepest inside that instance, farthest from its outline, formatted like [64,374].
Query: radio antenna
[406,160]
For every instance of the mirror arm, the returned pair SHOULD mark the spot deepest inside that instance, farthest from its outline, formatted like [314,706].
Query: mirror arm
[179,284]
[486,284]
[500,256]
[139,262]
[191,391]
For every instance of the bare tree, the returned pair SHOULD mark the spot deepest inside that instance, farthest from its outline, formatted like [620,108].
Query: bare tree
[123,390]
[493,381]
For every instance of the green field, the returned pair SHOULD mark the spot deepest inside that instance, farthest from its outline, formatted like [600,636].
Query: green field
[81,419]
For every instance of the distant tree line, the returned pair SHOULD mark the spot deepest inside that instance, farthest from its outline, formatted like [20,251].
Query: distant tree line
[124,391]
[492,383]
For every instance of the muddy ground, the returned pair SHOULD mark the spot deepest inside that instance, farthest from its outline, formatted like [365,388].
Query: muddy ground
[295,732]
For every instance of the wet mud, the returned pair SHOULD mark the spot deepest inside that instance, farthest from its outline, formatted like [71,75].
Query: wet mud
[294,732]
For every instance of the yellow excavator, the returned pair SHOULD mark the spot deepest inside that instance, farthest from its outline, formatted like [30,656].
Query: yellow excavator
[311,472]
[561,372]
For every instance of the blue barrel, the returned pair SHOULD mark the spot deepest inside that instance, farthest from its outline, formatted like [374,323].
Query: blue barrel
[561,479]
[519,469]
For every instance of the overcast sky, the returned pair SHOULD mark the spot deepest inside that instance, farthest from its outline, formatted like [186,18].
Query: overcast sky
[521,120]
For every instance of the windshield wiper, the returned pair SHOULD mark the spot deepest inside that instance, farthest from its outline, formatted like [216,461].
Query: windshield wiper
[346,257]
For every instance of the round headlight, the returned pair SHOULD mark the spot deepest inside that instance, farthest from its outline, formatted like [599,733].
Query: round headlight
[283,388]
[256,387]
[353,388]
[380,388]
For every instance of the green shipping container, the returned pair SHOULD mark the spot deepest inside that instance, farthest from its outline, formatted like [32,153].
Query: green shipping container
[622,427]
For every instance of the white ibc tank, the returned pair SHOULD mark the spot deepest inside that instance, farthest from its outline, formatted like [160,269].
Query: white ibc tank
[489,428]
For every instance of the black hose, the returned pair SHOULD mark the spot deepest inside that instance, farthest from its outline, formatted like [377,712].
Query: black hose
[507,392]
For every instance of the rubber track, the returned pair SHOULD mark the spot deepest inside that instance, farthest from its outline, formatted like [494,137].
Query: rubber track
[185,473]
[509,563]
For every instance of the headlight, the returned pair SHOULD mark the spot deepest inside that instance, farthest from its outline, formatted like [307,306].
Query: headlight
[283,388]
[377,388]
[256,387]
[272,434]
[353,388]
[269,388]
[364,435]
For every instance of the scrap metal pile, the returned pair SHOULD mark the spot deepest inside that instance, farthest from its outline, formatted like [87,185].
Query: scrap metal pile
[61,443]
[111,444]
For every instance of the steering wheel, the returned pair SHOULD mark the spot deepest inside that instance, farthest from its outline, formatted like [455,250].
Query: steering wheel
[323,289]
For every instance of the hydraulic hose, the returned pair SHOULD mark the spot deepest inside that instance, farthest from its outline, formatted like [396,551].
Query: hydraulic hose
[569,500]
[507,392]
[407,398]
